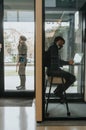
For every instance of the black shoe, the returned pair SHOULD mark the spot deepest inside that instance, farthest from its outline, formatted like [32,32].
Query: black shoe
[62,99]
[21,88]
[61,96]
[18,86]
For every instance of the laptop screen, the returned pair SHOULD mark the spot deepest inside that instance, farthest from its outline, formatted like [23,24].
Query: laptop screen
[78,57]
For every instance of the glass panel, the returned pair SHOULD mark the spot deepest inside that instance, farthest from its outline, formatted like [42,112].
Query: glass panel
[65,19]
[19,21]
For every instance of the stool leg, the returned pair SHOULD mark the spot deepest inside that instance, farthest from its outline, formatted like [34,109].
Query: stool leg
[49,94]
[68,112]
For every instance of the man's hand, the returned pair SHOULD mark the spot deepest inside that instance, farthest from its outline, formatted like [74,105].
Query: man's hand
[71,62]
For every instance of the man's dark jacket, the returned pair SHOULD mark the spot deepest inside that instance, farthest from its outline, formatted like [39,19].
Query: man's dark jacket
[52,59]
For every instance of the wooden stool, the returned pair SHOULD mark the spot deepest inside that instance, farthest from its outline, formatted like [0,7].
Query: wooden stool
[56,81]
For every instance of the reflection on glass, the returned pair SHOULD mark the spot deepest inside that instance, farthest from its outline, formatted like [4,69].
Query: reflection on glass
[65,19]
[18,21]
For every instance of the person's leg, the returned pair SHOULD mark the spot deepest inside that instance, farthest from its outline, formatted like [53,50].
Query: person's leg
[22,76]
[23,79]
[19,73]
[70,79]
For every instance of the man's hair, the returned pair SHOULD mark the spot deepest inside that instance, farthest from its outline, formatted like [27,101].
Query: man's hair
[58,38]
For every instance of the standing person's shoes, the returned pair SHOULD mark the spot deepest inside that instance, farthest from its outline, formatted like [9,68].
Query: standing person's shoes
[18,86]
[21,88]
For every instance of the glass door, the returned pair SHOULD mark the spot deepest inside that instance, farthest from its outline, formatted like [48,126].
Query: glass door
[65,18]
[18,43]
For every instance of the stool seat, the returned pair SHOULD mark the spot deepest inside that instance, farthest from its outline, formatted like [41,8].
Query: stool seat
[56,80]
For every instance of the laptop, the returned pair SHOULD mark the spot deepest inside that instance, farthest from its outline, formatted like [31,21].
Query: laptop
[78,58]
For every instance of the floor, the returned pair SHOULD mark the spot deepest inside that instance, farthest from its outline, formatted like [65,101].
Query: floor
[60,110]
[12,75]
[23,118]
[17,118]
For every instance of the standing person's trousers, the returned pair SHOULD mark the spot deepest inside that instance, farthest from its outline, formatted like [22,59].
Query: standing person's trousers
[22,74]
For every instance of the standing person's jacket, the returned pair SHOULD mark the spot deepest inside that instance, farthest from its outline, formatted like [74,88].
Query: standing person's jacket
[22,49]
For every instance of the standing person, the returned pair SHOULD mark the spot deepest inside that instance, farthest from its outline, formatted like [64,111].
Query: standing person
[22,61]
[54,63]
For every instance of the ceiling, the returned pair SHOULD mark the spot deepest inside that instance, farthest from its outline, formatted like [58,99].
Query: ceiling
[19,4]
[64,4]
[59,4]
[62,7]
[64,10]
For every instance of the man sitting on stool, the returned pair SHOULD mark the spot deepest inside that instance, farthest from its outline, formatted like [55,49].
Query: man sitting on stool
[53,63]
